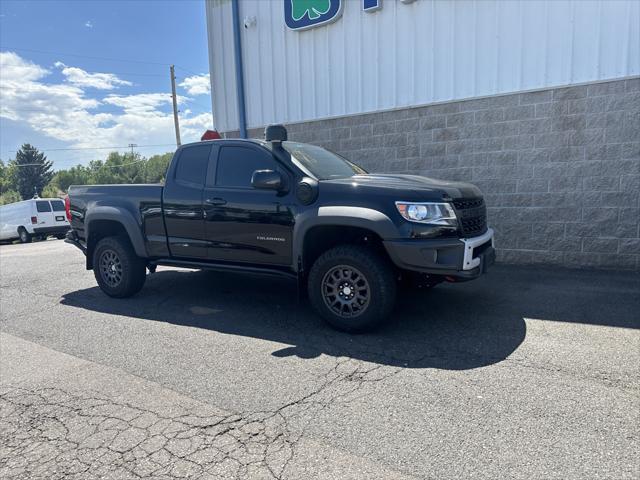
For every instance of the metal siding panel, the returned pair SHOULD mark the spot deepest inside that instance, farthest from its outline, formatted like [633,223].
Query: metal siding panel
[229,92]
[321,72]
[336,75]
[510,37]
[533,51]
[586,26]
[417,53]
[486,41]
[351,23]
[422,49]
[380,63]
[443,64]
[463,49]
[407,51]
[221,65]
[633,54]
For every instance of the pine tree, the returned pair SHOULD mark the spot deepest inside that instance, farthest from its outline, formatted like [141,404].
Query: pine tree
[33,171]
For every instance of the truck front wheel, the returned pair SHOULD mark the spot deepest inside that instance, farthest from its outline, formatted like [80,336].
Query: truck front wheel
[352,288]
[118,270]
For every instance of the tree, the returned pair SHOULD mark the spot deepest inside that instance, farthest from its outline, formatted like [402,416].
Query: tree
[9,196]
[156,167]
[50,191]
[33,171]
[117,168]
[78,175]
[8,193]
[7,177]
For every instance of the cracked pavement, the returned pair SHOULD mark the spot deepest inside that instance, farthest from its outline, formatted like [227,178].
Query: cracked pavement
[526,373]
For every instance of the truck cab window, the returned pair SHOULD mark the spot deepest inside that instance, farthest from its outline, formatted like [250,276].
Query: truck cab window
[43,206]
[192,164]
[237,164]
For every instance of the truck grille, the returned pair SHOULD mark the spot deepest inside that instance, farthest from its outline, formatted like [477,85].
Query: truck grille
[472,214]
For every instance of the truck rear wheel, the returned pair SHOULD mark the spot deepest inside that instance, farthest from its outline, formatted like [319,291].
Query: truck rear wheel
[352,288]
[25,237]
[118,270]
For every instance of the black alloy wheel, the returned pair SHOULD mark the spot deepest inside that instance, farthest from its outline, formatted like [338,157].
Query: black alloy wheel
[111,268]
[346,291]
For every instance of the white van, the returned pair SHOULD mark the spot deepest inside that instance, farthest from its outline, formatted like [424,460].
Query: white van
[38,217]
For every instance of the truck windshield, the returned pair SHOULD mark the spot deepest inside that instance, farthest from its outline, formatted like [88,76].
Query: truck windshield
[322,163]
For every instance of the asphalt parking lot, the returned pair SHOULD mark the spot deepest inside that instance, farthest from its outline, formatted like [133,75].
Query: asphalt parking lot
[525,373]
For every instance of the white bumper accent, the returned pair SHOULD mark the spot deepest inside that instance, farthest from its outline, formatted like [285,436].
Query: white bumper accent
[468,261]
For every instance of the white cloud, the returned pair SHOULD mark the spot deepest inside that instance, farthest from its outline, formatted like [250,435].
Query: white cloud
[197,84]
[88,24]
[13,67]
[63,112]
[82,78]
[142,103]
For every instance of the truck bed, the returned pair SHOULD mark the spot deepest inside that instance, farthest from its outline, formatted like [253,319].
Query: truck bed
[143,202]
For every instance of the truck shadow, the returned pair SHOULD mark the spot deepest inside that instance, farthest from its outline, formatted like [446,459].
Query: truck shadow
[453,327]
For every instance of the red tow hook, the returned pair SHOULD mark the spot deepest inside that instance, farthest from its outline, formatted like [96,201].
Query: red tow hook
[450,279]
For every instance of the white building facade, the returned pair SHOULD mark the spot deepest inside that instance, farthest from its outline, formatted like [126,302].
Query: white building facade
[536,101]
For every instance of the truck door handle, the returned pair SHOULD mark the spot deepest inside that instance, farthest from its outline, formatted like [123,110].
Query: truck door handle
[216,201]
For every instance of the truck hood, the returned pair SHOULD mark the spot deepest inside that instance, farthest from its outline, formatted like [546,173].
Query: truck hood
[410,184]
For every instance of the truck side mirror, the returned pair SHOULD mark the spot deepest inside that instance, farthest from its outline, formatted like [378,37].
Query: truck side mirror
[267,180]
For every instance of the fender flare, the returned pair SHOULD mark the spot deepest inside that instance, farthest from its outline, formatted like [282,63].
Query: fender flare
[121,216]
[361,217]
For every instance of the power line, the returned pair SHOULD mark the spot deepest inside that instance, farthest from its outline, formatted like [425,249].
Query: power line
[28,165]
[130,74]
[109,59]
[49,109]
[101,166]
[189,71]
[122,164]
[91,148]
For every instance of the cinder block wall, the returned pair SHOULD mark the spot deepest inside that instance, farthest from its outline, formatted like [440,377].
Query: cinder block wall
[559,168]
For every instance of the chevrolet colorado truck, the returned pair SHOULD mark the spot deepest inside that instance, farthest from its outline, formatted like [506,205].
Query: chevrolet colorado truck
[277,207]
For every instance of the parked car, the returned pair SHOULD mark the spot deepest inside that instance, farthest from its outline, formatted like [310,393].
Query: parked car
[34,218]
[286,208]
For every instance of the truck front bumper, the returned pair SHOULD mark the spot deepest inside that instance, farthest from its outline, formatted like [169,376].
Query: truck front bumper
[461,258]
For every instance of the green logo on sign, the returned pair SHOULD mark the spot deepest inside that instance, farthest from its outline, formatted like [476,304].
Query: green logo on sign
[301,14]
[314,9]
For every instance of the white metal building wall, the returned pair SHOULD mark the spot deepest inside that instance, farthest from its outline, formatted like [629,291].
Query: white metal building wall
[412,54]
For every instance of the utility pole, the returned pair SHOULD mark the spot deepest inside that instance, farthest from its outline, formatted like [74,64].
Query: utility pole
[132,146]
[175,104]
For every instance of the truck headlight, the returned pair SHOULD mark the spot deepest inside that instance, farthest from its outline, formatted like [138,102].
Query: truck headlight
[431,213]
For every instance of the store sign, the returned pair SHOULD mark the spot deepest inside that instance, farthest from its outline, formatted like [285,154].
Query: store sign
[303,14]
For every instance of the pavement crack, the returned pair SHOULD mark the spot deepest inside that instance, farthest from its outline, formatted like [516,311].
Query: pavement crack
[53,433]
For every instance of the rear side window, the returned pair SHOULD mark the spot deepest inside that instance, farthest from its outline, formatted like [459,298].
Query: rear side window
[192,164]
[237,164]
[58,205]
[43,206]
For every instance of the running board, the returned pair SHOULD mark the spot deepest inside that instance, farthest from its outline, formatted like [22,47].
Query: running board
[223,267]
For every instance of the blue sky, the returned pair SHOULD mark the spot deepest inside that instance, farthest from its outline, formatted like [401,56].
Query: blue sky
[55,94]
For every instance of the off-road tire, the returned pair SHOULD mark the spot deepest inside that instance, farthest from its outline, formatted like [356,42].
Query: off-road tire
[376,273]
[118,270]
[24,236]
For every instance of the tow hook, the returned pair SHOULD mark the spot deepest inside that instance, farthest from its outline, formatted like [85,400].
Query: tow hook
[450,279]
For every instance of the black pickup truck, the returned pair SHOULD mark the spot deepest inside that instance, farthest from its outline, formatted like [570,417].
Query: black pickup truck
[271,206]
